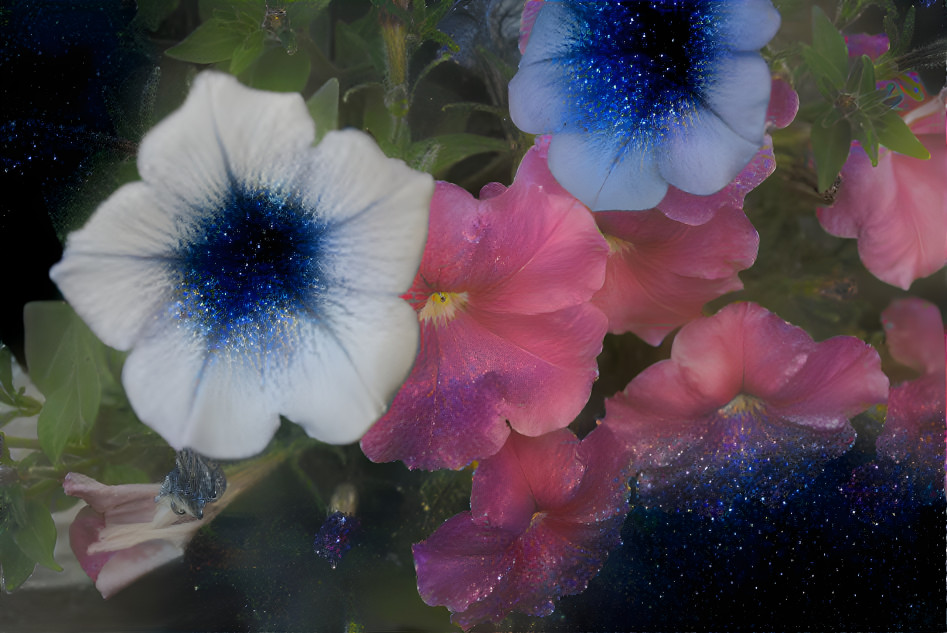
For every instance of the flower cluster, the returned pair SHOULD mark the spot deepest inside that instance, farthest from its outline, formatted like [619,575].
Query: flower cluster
[252,274]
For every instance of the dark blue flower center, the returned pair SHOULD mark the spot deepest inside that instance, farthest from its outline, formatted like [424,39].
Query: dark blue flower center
[249,268]
[640,66]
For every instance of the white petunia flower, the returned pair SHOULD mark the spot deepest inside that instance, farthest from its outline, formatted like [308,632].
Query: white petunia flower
[642,93]
[253,275]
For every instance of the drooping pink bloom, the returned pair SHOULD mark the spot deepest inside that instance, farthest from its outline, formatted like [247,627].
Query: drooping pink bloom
[661,272]
[123,533]
[544,513]
[915,427]
[507,333]
[748,406]
[898,210]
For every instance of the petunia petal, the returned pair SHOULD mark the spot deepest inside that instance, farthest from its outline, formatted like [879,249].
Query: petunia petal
[749,24]
[703,154]
[661,272]
[841,377]
[447,412]
[462,562]
[547,363]
[603,175]
[741,103]
[378,225]
[690,209]
[535,102]
[348,365]
[113,272]
[550,33]
[528,475]
[201,149]
[914,331]
[216,404]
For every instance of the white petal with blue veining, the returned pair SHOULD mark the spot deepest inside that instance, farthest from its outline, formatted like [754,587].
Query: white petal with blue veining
[253,275]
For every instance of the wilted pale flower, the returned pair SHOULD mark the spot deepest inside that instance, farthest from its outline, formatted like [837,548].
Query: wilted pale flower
[641,94]
[252,275]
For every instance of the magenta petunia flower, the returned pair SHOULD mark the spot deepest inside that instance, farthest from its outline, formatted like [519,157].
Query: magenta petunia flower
[748,406]
[661,272]
[913,435]
[544,513]
[507,333]
[897,211]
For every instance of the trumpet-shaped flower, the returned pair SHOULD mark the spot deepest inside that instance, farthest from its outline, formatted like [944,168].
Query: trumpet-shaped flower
[641,94]
[507,333]
[252,275]
[544,513]
[897,210]
[748,406]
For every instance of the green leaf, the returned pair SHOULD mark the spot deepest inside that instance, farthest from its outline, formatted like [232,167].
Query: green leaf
[830,46]
[114,474]
[830,147]
[324,108]
[15,566]
[438,153]
[866,76]
[895,134]
[66,363]
[6,375]
[37,538]
[278,71]
[247,52]
[213,41]
[151,13]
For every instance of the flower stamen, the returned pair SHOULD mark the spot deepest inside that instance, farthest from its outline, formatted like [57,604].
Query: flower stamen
[441,306]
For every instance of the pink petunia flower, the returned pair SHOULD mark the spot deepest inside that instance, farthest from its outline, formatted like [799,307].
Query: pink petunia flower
[661,272]
[898,210]
[913,435]
[544,513]
[507,333]
[123,533]
[748,406]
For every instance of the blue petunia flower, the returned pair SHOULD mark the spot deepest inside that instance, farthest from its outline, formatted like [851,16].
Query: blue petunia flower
[639,94]
[253,275]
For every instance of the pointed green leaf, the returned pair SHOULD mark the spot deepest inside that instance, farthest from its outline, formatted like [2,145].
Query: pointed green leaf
[66,363]
[830,46]
[247,52]
[37,538]
[830,147]
[866,76]
[15,566]
[324,108]
[437,154]
[894,134]
[213,41]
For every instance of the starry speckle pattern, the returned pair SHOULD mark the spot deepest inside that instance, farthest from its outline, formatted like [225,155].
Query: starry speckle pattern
[639,67]
[249,268]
